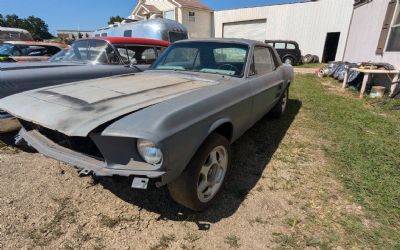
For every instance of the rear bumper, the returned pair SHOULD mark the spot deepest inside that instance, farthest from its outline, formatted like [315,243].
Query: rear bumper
[87,164]
[8,123]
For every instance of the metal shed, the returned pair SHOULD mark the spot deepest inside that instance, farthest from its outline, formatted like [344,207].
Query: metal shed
[320,27]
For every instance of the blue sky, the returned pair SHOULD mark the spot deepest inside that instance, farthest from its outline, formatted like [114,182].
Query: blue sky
[93,14]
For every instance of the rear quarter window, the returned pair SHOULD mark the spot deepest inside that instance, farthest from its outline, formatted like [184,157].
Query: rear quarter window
[291,46]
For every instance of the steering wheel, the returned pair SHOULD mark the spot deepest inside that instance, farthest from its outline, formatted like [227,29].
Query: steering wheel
[230,67]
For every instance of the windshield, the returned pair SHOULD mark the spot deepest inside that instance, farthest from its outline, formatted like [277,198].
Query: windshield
[89,51]
[208,57]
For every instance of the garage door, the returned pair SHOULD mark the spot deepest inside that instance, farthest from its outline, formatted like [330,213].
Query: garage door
[254,29]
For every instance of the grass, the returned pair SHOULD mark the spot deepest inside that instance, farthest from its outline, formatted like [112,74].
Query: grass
[54,229]
[365,155]
[192,237]
[164,242]
[232,241]
[311,65]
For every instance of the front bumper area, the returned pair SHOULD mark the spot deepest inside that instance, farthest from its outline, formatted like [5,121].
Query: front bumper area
[8,123]
[87,164]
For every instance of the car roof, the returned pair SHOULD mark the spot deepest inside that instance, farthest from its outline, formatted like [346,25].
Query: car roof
[280,41]
[130,40]
[33,43]
[225,40]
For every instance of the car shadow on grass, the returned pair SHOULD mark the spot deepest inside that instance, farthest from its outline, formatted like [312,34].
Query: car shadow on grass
[250,156]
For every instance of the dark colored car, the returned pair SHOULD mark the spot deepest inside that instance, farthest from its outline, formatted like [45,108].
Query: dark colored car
[22,51]
[288,51]
[86,59]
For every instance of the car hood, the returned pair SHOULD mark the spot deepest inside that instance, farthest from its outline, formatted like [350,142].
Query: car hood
[75,109]
[35,65]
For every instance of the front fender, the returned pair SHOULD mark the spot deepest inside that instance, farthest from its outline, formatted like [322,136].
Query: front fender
[218,123]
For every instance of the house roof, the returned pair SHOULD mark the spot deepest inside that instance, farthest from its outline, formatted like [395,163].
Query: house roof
[151,8]
[192,4]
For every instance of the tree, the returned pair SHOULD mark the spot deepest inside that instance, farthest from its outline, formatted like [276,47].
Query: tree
[36,26]
[13,21]
[2,20]
[115,19]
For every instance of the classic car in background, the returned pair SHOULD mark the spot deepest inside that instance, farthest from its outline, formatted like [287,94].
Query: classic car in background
[86,59]
[155,28]
[22,51]
[12,34]
[288,51]
[174,122]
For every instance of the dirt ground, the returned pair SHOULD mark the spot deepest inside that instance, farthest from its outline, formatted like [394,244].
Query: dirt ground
[279,194]
[299,70]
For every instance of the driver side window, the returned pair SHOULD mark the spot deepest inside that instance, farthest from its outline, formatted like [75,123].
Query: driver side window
[263,62]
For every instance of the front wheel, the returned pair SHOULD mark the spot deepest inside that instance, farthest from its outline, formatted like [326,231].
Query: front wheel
[201,181]
[280,107]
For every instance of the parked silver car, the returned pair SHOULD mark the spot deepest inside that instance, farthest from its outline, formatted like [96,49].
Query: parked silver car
[174,122]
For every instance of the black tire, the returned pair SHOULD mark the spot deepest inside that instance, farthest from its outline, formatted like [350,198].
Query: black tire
[184,189]
[280,107]
[308,59]
[289,60]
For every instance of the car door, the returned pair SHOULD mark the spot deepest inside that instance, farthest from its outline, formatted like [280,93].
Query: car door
[265,80]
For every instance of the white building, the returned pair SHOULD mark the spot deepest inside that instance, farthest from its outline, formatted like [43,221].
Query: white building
[320,27]
[375,32]
[194,15]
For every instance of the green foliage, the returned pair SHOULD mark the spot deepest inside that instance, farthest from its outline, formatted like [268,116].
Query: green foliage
[2,20]
[115,19]
[36,26]
[311,65]
[365,151]
[232,241]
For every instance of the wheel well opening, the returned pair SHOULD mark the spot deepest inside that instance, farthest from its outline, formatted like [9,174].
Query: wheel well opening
[226,130]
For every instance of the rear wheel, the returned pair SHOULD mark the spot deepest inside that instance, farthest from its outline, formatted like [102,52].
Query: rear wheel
[288,60]
[201,181]
[280,106]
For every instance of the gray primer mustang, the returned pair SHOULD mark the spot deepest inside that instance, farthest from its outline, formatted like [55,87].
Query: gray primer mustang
[86,59]
[174,122]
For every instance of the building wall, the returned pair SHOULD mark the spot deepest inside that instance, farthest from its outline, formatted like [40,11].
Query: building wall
[364,34]
[201,27]
[161,4]
[307,23]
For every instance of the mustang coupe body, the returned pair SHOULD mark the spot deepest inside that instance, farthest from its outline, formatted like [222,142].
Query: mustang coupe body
[86,59]
[174,122]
